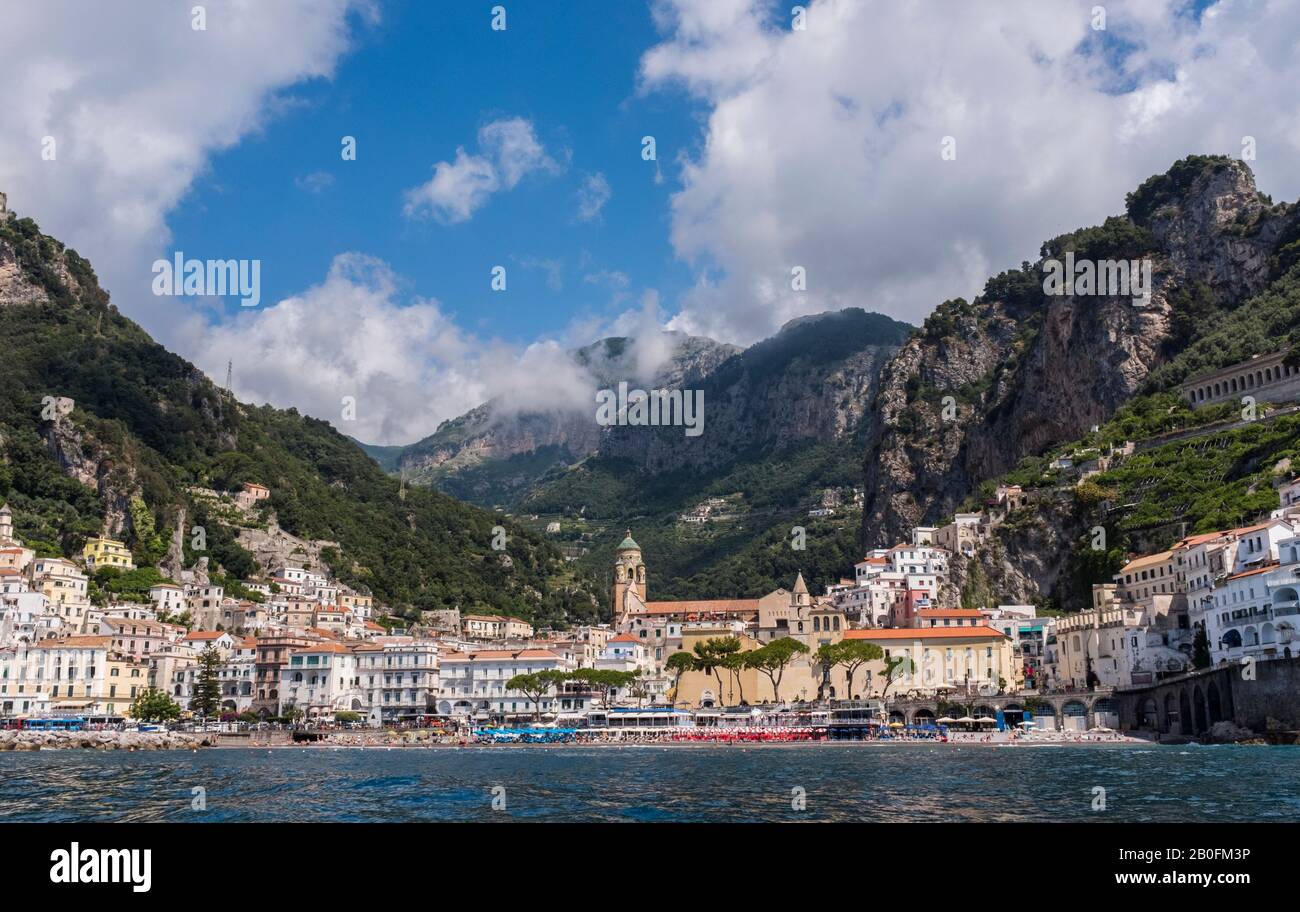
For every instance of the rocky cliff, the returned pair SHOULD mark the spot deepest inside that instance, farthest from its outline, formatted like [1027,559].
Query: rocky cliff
[986,383]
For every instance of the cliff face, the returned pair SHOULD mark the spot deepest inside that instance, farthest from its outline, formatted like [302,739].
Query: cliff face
[813,381]
[1027,370]
[491,454]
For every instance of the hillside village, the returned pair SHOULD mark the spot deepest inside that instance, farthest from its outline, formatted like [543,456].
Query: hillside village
[302,646]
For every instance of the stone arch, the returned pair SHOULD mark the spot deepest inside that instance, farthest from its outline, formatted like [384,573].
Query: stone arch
[1148,714]
[1044,716]
[1213,705]
[1171,714]
[1250,637]
[1105,711]
[1184,713]
[1198,710]
[924,715]
[1267,634]
[1074,716]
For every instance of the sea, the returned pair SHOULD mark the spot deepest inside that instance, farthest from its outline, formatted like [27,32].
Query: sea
[842,782]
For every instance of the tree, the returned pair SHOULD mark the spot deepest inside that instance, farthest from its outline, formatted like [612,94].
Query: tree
[711,656]
[678,664]
[892,665]
[207,688]
[640,687]
[736,663]
[852,654]
[153,705]
[603,679]
[536,685]
[773,659]
[1201,649]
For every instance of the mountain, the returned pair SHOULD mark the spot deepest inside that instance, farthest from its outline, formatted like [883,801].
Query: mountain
[1024,374]
[493,454]
[102,429]
[783,423]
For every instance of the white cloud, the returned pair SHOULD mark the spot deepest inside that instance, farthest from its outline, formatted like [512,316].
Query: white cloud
[407,364]
[821,147]
[315,182]
[510,151]
[137,101]
[592,197]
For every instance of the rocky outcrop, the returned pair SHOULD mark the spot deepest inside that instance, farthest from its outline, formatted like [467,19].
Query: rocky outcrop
[814,381]
[1025,370]
[102,740]
[95,466]
[494,451]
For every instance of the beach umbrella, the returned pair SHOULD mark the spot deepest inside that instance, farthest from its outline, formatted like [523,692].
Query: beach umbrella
[965,719]
[895,724]
[983,719]
[945,720]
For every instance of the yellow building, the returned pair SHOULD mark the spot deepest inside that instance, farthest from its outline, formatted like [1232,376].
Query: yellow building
[105,552]
[803,679]
[945,657]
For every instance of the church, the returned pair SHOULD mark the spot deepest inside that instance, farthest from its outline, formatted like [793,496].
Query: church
[667,627]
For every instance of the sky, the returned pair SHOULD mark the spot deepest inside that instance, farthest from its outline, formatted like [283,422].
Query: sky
[809,140]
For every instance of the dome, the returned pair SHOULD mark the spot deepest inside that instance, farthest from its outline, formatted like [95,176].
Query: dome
[628,544]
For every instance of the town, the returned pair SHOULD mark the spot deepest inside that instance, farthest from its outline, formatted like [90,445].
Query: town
[877,654]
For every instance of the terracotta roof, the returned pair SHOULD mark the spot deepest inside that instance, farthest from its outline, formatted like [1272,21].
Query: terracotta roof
[205,635]
[502,654]
[325,647]
[703,606]
[625,638]
[923,633]
[1147,560]
[76,642]
[1264,569]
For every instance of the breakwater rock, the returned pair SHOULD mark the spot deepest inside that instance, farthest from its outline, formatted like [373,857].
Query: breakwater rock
[101,740]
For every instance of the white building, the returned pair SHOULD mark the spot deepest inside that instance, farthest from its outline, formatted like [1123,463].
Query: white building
[474,684]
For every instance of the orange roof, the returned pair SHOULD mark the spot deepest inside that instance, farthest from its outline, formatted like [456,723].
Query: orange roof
[502,654]
[205,635]
[325,647]
[1265,569]
[625,638]
[75,642]
[703,606]
[922,633]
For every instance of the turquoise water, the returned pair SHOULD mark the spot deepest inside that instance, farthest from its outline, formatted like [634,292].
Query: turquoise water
[839,782]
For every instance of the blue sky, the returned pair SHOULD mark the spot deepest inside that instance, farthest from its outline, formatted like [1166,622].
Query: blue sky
[419,84]
[779,149]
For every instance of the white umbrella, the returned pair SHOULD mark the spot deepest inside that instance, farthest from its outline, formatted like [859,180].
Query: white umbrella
[945,720]
[965,719]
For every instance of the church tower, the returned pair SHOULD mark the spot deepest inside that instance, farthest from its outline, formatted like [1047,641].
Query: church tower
[6,525]
[629,574]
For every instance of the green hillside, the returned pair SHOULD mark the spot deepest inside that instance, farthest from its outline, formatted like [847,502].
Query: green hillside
[148,425]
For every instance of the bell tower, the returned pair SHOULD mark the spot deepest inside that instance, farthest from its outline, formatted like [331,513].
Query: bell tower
[629,573]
